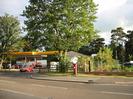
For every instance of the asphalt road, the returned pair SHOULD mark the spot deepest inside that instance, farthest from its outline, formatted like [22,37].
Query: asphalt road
[19,87]
[10,94]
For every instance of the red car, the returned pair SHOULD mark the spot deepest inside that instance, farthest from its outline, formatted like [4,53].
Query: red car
[27,68]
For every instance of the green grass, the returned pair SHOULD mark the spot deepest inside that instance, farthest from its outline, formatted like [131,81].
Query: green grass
[84,75]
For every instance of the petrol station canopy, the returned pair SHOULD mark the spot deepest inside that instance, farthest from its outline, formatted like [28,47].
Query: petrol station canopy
[33,53]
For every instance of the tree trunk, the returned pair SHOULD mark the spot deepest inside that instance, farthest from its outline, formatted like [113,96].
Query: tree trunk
[1,64]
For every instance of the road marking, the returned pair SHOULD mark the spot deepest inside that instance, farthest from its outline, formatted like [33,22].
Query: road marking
[105,84]
[64,88]
[22,93]
[124,82]
[5,81]
[117,93]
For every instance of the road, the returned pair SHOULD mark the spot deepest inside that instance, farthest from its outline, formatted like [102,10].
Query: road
[19,87]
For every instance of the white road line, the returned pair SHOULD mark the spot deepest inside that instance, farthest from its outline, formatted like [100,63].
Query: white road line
[105,84]
[23,93]
[117,93]
[64,88]
[17,92]
[112,84]
[5,81]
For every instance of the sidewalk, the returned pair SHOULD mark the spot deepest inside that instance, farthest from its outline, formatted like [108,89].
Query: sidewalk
[80,78]
[67,78]
[86,79]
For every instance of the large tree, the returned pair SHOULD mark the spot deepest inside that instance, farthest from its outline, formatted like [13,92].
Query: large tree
[129,46]
[59,24]
[117,43]
[9,35]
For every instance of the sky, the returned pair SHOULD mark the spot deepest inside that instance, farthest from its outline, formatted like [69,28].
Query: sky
[110,14]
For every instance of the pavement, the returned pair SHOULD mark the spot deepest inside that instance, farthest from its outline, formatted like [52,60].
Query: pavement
[87,79]
[67,78]
[54,77]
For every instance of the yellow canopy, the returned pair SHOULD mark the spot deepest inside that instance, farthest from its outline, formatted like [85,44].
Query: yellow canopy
[35,53]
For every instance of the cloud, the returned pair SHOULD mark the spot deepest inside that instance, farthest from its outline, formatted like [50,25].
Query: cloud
[106,36]
[112,14]
[13,7]
[124,23]
[105,5]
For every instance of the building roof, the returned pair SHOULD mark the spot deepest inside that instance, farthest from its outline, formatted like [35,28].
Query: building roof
[74,54]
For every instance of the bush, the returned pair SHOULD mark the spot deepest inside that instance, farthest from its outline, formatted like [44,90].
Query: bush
[104,61]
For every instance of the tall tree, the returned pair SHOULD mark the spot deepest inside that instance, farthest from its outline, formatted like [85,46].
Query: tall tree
[129,46]
[60,24]
[117,43]
[9,35]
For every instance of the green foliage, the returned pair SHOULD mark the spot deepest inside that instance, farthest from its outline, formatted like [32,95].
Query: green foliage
[122,44]
[129,46]
[93,47]
[104,60]
[60,24]
[10,32]
[117,36]
[83,63]
[117,43]
[10,35]
[64,63]
[130,57]
[128,69]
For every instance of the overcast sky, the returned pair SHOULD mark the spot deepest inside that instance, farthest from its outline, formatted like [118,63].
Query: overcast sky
[111,14]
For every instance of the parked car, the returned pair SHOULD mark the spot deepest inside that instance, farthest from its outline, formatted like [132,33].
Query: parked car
[128,64]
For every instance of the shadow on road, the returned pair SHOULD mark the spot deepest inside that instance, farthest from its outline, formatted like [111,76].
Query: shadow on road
[16,74]
[8,94]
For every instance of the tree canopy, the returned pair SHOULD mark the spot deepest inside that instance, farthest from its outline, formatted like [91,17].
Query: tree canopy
[121,44]
[60,24]
[9,34]
[117,43]
[93,47]
[129,46]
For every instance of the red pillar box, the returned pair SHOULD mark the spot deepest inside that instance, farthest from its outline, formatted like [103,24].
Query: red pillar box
[75,68]
[74,61]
